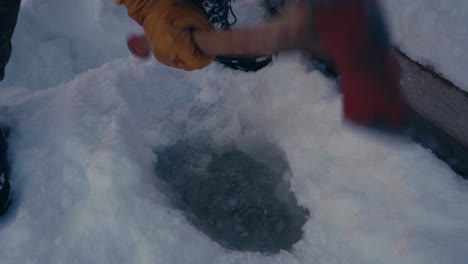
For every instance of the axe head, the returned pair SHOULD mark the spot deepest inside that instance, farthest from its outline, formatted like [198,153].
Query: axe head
[356,38]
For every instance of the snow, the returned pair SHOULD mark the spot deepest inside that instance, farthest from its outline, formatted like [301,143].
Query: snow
[86,116]
[434,33]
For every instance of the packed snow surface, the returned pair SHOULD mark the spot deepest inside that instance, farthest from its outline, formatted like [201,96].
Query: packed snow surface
[86,116]
[434,33]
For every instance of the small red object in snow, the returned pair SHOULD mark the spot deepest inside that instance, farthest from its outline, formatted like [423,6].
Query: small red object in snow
[139,46]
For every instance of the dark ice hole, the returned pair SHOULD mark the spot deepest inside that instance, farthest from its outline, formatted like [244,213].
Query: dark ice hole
[240,202]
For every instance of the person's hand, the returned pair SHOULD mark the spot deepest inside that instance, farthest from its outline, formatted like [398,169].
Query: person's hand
[168,29]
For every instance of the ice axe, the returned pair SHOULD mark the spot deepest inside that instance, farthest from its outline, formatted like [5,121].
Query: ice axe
[350,33]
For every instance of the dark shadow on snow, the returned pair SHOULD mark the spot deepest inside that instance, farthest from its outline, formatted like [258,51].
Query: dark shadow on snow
[240,202]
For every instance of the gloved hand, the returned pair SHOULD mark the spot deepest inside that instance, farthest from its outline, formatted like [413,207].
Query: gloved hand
[168,25]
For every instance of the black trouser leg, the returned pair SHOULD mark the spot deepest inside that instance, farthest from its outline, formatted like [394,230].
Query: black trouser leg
[4,171]
[9,10]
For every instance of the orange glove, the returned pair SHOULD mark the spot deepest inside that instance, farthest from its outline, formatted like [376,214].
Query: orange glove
[168,26]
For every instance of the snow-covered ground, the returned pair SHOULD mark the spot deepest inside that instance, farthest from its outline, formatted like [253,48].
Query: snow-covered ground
[433,32]
[86,116]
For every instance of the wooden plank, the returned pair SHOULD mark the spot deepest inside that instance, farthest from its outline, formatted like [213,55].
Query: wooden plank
[435,98]
[440,118]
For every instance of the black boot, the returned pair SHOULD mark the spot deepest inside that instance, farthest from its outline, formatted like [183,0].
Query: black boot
[5,52]
[4,172]
[8,16]
[2,73]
